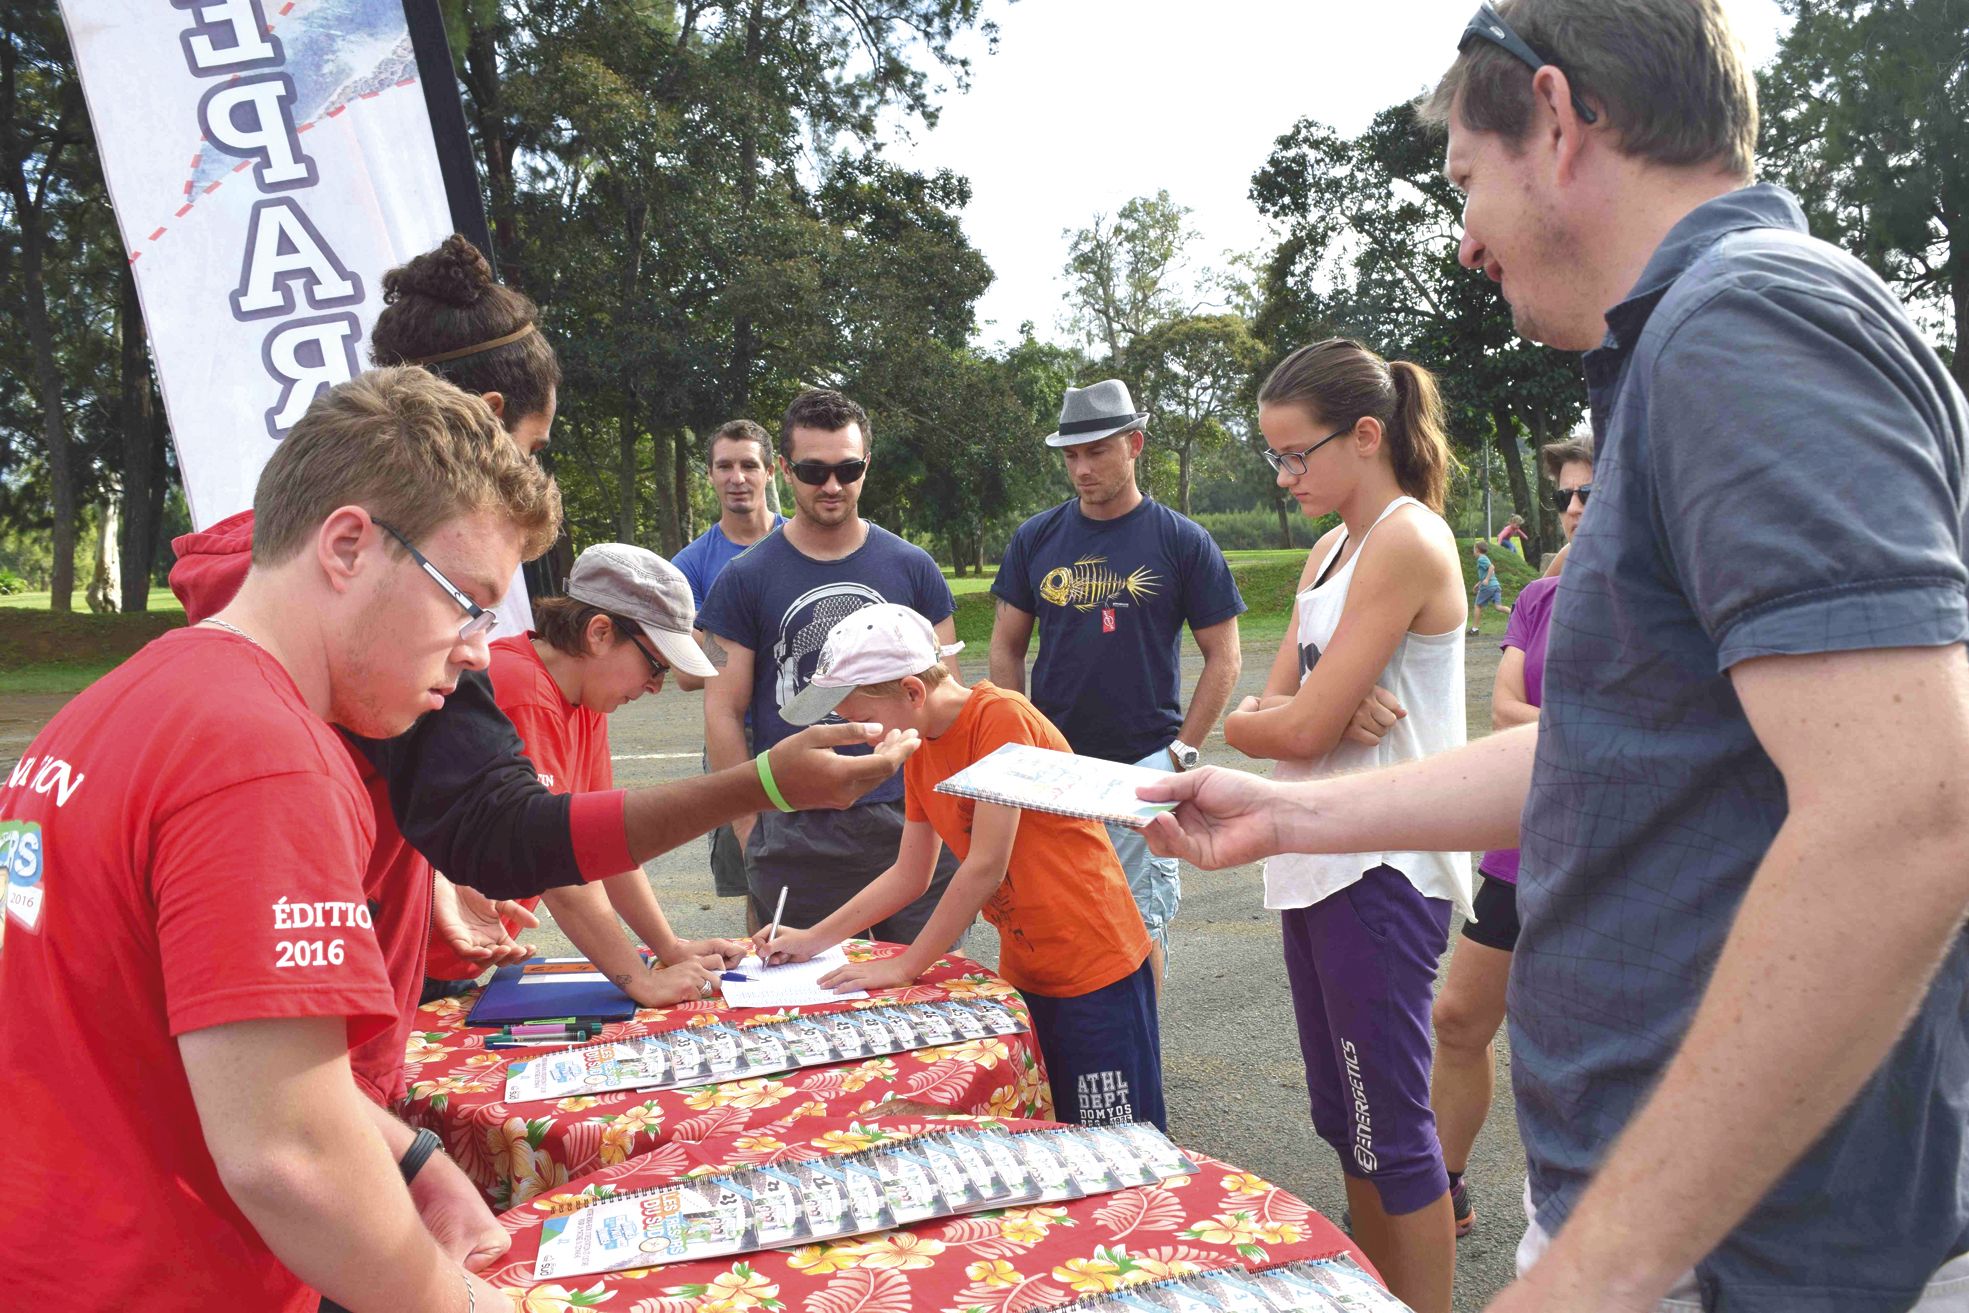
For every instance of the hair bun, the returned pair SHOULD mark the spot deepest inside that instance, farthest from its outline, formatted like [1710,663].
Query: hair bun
[456,274]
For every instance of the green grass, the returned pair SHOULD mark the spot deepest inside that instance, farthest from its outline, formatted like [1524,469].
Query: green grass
[42,651]
[160,601]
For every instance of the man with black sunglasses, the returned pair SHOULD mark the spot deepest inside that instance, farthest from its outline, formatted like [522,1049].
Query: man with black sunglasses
[1739,1002]
[764,622]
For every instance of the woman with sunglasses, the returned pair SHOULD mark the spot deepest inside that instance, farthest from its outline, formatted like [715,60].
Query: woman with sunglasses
[624,623]
[1471,1006]
[1370,673]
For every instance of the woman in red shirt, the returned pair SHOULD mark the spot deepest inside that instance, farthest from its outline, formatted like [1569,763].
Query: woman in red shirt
[623,625]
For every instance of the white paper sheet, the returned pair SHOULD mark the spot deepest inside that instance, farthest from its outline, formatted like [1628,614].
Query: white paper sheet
[795,984]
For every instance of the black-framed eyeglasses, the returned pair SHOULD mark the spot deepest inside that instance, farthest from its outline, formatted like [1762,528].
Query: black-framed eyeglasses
[1487,26]
[478,620]
[657,667]
[1562,497]
[1294,462]
[816,472]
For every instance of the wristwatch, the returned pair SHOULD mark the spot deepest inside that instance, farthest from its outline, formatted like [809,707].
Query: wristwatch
[1183,755]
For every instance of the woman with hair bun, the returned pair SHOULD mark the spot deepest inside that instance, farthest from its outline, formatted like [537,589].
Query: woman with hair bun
[445,311]
[1370,673]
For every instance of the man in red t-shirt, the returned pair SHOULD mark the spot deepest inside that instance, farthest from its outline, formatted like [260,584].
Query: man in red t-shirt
[189,955]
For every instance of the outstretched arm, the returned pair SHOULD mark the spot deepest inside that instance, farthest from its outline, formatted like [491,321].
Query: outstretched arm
[1228,817]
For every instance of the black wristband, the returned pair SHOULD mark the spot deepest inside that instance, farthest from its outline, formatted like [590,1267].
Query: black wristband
[418,1154]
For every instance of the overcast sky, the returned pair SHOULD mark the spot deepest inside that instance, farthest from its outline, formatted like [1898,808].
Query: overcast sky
[1090,102]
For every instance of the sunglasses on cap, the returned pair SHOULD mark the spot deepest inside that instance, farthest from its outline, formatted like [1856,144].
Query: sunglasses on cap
[1562,497]
[817,472]
[1487,26]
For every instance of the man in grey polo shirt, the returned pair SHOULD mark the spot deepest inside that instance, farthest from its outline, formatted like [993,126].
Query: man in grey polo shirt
[1738,1004]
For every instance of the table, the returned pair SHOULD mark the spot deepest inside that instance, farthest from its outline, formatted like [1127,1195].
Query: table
[517,1152]
[1005,1261]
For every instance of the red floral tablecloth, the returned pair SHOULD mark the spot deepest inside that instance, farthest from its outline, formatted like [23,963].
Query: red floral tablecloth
[1005,1261]
[517,1152]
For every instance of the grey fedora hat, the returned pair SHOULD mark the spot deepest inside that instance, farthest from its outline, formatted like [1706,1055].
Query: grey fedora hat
[1091,413]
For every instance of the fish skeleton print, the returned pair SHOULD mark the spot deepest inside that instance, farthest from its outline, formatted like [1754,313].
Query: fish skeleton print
[1088,583]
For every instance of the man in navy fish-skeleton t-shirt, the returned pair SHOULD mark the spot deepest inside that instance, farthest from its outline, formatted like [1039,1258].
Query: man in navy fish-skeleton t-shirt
[1111,577]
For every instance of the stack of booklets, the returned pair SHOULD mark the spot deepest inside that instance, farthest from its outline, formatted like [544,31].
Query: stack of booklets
[914,1180]
[1322,1285]
[706,1055]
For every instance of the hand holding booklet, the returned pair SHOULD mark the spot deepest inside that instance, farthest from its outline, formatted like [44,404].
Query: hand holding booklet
[1021,775]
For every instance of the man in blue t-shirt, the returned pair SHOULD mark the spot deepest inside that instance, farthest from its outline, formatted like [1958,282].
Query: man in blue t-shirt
[1111,577]
[764,622]
[741,466]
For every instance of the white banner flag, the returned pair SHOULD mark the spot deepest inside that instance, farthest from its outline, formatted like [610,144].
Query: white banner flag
[268,160]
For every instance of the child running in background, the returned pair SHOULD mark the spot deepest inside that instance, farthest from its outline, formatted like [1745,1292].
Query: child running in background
[1379,607]
[1071,938]
[623,625]
[1489,591]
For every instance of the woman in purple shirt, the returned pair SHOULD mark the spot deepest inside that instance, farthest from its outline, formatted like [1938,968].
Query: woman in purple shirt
[1470,1007]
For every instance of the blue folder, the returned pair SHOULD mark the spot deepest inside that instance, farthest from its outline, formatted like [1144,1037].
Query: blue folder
[505,1001]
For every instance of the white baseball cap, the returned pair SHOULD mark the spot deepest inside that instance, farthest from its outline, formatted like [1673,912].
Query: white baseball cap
[874,645]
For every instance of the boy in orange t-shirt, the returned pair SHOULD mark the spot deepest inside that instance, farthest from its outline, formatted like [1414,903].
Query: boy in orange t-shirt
[1071,938]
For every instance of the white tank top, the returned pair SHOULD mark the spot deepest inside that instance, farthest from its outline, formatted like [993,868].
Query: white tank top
[1425,674]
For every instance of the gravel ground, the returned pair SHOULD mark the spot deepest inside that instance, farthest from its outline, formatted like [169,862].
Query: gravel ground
[1235,1085]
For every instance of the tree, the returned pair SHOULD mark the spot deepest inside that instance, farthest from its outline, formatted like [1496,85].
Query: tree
[1866,119]
[1196,373]
[1369,232]
[42,129]
[1123,274]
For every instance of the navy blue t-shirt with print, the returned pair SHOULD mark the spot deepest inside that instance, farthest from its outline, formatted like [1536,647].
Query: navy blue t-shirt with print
[1751,375]
[781,604]
[1111,598]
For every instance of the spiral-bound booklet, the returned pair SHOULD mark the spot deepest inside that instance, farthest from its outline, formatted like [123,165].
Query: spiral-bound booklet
[1021,775]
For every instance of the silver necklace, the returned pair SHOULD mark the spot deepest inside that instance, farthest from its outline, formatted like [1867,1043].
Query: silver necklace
[232,629]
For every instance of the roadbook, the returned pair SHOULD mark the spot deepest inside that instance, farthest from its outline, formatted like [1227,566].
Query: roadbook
[1021,775]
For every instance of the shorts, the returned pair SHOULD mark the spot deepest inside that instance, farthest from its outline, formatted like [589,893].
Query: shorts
[824,858]
[1490,594]
[1103,1052]
[1362,966]
[1496,906]
[1155,882]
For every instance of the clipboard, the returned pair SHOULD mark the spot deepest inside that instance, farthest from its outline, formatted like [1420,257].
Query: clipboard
[540,988]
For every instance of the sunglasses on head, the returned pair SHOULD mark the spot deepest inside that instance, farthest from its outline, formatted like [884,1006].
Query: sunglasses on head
[1487,26]
[816,472]
[1562,497]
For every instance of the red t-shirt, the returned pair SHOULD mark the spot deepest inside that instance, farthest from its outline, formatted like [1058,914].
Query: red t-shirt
[568,746]
[1067,924]
[184,844]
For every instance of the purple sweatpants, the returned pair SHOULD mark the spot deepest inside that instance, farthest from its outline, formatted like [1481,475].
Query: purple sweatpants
[1362,964]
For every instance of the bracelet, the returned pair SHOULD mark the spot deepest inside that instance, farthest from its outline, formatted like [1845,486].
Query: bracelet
[471,1296]
[418,1154]
[766,779]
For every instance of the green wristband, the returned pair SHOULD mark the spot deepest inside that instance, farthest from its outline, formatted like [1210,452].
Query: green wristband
[766,779]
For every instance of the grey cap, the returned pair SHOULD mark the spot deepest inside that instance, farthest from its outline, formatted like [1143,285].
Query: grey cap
[1099,411]
[639,585]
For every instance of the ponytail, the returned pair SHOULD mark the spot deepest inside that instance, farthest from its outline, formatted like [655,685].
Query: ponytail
[1419,445]
[1338,380]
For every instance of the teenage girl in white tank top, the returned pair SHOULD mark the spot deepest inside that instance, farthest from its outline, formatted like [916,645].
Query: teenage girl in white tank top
[1370,673]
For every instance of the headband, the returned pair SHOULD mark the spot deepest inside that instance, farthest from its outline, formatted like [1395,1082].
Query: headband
[473,350]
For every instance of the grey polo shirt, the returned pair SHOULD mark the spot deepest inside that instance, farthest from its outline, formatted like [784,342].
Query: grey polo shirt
[1780,471]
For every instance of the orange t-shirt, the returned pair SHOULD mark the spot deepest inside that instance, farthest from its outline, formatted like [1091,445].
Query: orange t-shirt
[1067,924]
[568,746]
